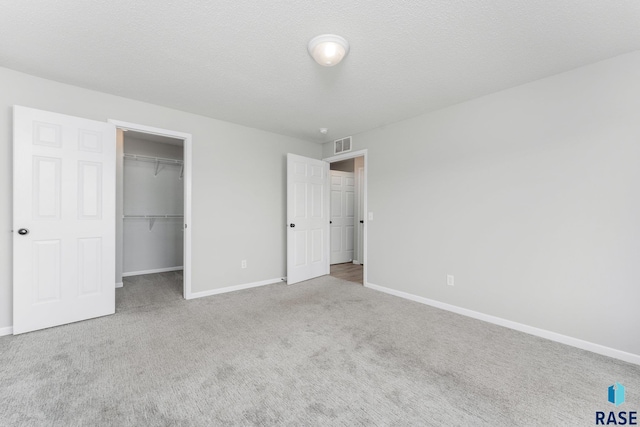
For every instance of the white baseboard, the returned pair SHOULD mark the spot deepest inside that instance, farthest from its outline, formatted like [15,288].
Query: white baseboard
[157,270]
[233,288]
[356,262]
[6,331]
[119,285]
[553,336]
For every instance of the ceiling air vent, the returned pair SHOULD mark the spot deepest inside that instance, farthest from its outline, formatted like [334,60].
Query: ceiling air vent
[342,145]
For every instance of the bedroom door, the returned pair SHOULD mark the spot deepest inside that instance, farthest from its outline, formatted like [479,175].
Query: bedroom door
[64,219]
[307,218]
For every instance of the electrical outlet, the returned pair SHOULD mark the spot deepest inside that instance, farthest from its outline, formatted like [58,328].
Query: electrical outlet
[450,280]
[243,264]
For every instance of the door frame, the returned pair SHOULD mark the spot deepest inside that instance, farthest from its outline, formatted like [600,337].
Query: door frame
[365,189]
[360,212]
[187,138]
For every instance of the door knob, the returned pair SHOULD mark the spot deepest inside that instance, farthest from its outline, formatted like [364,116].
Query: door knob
[330,222]
[361,221]
[292,225]
[23,232]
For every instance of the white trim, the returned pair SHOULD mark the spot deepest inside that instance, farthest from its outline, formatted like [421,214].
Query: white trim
[149,129]
[194,295]
[154,271]
[359,244]
[553,336]
[346,156]
[188,142]
[352,155]
[188,224]
[6,331]
[119,285]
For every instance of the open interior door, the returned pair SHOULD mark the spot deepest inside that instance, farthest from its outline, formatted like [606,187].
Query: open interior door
[63,219]
[308,218]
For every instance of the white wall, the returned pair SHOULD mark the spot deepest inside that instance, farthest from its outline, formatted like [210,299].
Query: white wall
[239,173]
[529,196]
[152,244]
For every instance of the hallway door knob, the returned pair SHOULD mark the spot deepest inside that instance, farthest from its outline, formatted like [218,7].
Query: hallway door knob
[23,232]
[292,225]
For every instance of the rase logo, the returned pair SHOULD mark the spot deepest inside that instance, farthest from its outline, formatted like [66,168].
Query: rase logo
[616,394]
[616,397]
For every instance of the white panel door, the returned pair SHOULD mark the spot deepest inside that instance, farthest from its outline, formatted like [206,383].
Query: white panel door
[63,219]
[307,218]
[343,216]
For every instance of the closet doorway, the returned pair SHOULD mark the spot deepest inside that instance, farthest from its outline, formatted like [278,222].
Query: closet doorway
[153,195]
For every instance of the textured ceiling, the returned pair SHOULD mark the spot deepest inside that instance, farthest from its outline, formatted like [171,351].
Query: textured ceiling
[246,61]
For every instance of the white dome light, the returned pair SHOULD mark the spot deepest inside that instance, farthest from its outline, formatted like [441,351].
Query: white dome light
[328,49]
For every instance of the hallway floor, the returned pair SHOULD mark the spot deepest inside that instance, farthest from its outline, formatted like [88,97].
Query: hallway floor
[348,271]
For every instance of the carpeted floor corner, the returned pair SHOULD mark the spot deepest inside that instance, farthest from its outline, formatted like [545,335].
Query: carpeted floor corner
[324,352]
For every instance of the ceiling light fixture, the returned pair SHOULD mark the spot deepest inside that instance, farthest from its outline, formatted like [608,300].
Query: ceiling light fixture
[328,49]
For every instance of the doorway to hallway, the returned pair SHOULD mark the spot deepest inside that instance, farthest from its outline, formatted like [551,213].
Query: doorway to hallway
[347,219]
[348,271]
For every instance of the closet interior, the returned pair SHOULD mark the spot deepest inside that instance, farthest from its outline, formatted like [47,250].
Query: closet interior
[152,204]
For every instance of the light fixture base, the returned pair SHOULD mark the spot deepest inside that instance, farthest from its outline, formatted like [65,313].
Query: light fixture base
[328,49]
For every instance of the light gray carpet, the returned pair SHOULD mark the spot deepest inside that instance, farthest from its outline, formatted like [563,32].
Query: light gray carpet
[149,289]
[324,352]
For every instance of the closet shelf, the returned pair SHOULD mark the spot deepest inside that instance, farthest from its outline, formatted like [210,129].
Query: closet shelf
[157,161]
[152,218]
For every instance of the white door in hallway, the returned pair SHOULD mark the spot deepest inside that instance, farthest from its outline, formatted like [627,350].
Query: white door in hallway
[342,216]
[307,218]
[63,219]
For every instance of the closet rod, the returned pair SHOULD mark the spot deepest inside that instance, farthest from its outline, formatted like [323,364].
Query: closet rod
[153,159]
